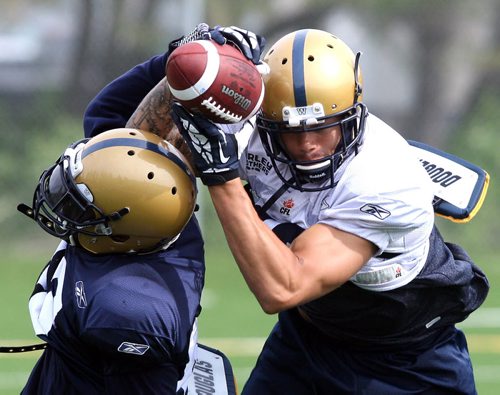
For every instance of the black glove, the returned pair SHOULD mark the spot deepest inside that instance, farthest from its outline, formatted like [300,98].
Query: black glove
[200,32]
[249,43]
[215,153]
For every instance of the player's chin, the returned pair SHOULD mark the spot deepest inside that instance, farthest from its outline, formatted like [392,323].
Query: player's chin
[310,158]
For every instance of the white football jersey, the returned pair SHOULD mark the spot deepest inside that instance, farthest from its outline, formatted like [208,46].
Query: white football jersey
[383,194]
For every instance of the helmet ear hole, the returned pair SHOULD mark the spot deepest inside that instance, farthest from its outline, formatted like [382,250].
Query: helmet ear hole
[120,238]
[115,205]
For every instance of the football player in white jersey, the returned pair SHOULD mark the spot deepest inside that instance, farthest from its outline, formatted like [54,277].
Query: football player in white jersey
[333,228]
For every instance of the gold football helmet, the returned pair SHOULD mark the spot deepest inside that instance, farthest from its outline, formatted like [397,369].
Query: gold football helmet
[122,191]
[314,83]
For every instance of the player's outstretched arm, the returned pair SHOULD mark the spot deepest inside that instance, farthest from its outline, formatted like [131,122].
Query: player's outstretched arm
[153,115]
[319,260]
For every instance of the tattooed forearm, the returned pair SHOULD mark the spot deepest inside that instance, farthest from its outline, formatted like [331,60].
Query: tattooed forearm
[153,113]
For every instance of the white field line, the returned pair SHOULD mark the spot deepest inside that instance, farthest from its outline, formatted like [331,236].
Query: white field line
[487,373]
[250,347]
[487,317]
[234,346]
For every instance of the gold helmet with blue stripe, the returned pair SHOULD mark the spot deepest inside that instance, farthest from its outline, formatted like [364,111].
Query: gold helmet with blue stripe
[314,83]
[122,191]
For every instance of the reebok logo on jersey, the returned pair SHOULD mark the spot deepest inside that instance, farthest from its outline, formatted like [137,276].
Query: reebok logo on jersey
[81,298]
[133,348]
[325,205]
[376,211]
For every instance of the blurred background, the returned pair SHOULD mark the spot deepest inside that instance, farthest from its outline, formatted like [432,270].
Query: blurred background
[431,70]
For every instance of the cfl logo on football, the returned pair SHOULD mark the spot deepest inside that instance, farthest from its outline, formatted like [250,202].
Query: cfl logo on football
[439,175]
[239,100]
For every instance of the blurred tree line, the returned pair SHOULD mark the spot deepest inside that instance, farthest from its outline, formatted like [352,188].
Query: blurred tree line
[432,70]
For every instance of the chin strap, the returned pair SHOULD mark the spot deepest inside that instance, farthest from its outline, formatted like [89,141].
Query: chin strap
[16,349]
[28,211]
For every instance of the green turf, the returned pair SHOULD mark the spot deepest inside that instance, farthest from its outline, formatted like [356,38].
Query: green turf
[229,311]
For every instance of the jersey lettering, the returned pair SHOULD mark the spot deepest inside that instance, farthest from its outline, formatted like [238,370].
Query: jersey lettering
[203,378]
[439,175]
[258,163]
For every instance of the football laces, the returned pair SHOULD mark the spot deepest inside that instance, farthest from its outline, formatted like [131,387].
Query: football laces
[220,111]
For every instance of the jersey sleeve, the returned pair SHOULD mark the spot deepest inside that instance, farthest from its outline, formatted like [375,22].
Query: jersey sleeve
[382,200]
[116,102]
[45,301]
[383,220]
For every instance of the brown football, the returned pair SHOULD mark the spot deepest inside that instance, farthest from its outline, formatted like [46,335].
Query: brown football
[214,80]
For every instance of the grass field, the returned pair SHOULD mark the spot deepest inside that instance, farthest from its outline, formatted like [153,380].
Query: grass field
[231,320]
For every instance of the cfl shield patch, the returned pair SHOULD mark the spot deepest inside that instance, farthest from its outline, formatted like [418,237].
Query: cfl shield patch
[133,348]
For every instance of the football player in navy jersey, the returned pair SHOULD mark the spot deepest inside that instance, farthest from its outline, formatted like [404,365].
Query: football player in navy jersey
[332,228]
[119,312]
[118,301]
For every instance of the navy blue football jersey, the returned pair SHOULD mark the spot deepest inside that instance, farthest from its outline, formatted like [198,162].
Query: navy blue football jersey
[117,323]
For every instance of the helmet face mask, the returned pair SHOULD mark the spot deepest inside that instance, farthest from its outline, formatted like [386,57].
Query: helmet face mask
[318,174]
[123,191]
[314,84]
[65,210]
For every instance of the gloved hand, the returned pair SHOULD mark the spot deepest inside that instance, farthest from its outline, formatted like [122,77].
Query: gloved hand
[249,43]
[200,32]
[215,153]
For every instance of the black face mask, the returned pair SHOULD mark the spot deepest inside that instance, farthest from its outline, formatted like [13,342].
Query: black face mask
[60,206]
[316,175]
